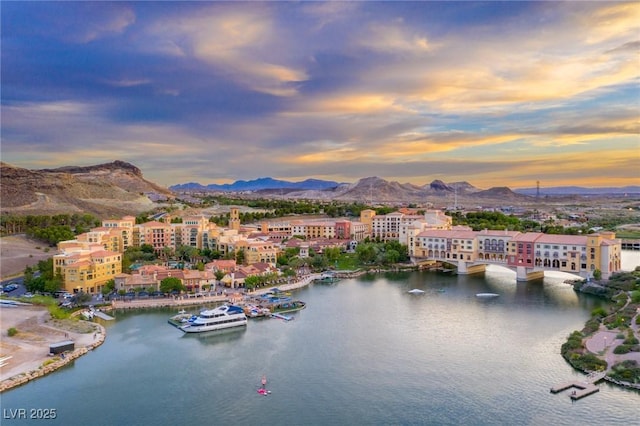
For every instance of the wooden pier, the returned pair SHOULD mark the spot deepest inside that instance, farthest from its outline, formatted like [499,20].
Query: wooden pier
[581,388]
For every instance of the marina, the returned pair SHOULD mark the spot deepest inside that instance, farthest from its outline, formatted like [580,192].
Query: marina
[426,355]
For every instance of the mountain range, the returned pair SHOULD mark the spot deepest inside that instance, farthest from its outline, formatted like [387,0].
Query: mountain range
[119,188]
[256,185]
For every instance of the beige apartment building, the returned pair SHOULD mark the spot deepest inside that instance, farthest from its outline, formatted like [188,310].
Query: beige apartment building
[402,227]
[86,267]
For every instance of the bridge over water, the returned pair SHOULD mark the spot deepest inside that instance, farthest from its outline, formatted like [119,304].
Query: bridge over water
[523,273]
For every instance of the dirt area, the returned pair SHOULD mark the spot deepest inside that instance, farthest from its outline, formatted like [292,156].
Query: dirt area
[17,252]
[29,348]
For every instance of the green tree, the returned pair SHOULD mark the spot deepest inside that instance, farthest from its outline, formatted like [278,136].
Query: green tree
[240,257]
[366,252]
[252,281]
[332,254]
[597,274]
[391,256]
[147,248]
[108,287]
[170,284]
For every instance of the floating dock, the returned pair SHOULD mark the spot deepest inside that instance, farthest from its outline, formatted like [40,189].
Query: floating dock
[582,388]
[281,316]
[102,315]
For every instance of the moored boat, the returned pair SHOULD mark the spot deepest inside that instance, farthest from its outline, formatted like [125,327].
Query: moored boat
[222,317]
[487,295]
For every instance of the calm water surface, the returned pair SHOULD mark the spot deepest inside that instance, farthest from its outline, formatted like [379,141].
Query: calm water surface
[363,352]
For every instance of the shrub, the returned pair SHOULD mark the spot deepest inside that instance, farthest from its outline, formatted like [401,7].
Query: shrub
[58,313]
[50,361]
[591,326]
[631,339]
[12,332]
[590,362]
[622,349]
[599,312]
[626,371]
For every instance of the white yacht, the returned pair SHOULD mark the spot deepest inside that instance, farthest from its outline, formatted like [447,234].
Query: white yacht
[222,317]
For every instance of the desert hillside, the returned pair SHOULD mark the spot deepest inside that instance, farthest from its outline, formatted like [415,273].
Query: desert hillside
[104,190]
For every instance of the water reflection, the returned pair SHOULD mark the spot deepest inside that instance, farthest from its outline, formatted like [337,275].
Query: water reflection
[217,336]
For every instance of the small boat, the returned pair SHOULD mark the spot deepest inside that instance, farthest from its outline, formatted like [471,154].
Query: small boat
[416,291]
[263,391]
[87,314]
[487,295]
[182,312]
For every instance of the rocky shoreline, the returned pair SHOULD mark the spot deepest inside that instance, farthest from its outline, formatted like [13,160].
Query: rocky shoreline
[57,363]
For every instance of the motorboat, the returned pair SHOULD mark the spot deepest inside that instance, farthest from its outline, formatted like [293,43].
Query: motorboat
[487,295]
[416,291]
[87,314]
[225,316]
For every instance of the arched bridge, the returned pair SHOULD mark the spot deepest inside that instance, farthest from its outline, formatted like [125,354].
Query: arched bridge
[523,273]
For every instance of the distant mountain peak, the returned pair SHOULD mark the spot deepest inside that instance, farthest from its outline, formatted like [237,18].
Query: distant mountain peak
[114,165]
[439,185]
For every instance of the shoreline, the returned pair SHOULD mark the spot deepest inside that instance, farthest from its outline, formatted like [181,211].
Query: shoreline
[190,301]
[42,370]
[46,367]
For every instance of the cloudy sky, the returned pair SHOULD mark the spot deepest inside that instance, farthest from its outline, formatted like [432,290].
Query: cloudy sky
[494,93]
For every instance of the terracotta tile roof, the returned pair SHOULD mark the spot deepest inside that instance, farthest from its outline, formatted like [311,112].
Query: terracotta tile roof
[563,239]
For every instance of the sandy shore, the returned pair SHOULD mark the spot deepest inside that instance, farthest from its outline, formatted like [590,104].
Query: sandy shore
[29,348]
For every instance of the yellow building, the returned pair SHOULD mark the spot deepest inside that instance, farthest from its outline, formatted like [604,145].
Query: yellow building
[256,251]
[366,217]
[123,228]
[86,267]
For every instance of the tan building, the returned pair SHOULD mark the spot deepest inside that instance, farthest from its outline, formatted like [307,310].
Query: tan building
[530,253]
[86,267]
[256,251]
[123,228]
[403,227]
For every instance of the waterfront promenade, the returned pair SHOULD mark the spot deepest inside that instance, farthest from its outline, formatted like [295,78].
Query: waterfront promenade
[180,301]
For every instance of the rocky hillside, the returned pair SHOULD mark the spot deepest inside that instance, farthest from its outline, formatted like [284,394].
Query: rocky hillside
[104,190]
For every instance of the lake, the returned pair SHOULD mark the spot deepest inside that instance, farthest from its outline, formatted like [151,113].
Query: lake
[363,352]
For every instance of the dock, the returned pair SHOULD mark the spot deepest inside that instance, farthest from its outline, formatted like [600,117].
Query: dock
[102,315]
[581,388]
[281,316]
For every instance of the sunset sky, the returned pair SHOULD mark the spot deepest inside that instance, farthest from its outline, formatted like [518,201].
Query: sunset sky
[494,93]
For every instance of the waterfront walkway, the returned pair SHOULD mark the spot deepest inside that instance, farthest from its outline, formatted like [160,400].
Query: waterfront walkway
[178,301]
